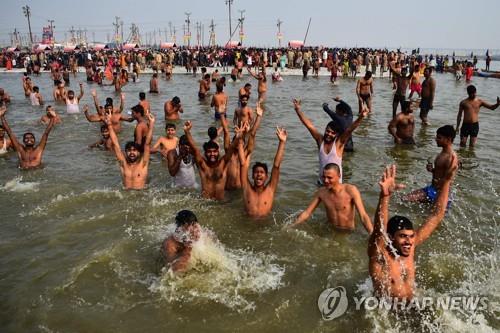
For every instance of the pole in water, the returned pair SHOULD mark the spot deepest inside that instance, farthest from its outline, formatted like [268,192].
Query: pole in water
[307,31]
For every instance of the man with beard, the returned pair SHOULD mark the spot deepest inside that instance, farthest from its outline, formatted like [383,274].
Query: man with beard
[331,143]
[403,126]
[391,247]
[212,169]
[443,162]
[428,92]
[181,165]
[116,113]
[142,128]
[133,164]
[258,197]
[30,156]
[340,201]
[72,102]
[172,109]
[105,143]
[244,113]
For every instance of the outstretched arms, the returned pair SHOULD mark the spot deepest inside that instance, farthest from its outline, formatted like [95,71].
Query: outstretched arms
[149,138]
[307,123]
[114,139]
[15,143]
[81,93]
[491,106]
[45,136]
[196,152]
[304,216]
[275,173]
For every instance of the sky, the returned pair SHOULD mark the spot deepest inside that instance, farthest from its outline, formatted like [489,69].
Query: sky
[445,24]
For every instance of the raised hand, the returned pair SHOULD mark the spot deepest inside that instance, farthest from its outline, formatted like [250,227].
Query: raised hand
[239,130]
[151,118]
[337,99]
[187,126]
[3,109]
[297,104]
[107,120]
[93,93]
[51,113]
[281,133]
[85,108]
[388,182]
[258,110]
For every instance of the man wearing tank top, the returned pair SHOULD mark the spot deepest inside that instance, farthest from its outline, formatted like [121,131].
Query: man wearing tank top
[72,102]
[181,165]
[331,143]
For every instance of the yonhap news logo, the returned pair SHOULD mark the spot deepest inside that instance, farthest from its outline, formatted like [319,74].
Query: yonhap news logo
[333,303]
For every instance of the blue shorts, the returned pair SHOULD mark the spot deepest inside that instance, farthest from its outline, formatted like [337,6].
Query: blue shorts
[432,194]
[218,115]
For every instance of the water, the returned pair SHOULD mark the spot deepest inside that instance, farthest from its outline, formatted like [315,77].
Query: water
[79,254]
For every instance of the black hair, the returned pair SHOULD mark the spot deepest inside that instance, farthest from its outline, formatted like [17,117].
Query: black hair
[104,127]
[183,140]
[333,125]
[368,74]
[447,131]
[332,166]
[132,144]
[259,165]
[36,89]
[28,133]
[471,89]
[212,133]
[176,100]
[210,145]
[170,125]
[406,105]
[398,222]
[248,85]
[109,101]
[185,217]
[207,76]
[138,109]
[142,96]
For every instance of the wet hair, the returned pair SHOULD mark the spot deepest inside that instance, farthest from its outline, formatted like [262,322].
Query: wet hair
[335,127]
[210,145]
[183,140]
[447,131]
[471,89]
[219,87]
[170,125]
[142,96]
[248,85]
[185,217]
[176,100]
[259,165]
[155,75]
[28,133]
[104,127]
[36,89]
[368,74]
[332,166]
[132,144]
[138,109]
[398,222]
[212,133]
[207,76]
[109,101]
[406,105]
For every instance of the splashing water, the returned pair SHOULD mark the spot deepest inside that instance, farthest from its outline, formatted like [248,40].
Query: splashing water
[17,185]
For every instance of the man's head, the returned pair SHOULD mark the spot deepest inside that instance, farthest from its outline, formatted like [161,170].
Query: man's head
[60,85]
[407,107]
[2,131]
[184,148]
[36,89]
[247,87]
[331,175]
[212,133]
[259,174]
[211,150]
[404,70]
[331,131]
[219,87]
[471,91]
[138,111]
[368,75]
[207,77]
[187,223]
[427,72]
[71,94]
[401,233]
[29,139]
[445,135]
[105,132]
[244,100]
[170,129]
[132,152]
[142,96]
[109,101]
[49,108]
[176,101]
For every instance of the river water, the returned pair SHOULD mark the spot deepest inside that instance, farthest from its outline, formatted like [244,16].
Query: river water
[79,254]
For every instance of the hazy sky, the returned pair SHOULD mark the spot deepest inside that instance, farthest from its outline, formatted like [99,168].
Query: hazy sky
[455,24]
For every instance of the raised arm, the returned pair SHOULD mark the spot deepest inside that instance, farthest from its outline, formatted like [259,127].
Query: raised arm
[93,118]
[196,152]
[307,123]
[439,207]
[114,139]
[275,173]
[491,106]
[244,165]
[81,93]
[17,146]
[251,73]
[173,162]
[96,102]
[45,136]
[234,145]
[149,138]
[225,130]
[122,101]
[253,130]
[348,132]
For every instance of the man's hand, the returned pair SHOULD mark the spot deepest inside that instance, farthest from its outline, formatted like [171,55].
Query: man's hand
[364,111]
[337,99]
[151,119]
[258,110]
[297,104]
[81,85]
[187,126]
[281,133]
[93,93]
[388,182]
[122,96]
[3,109]
[239,130]
[85,108]
[51,114]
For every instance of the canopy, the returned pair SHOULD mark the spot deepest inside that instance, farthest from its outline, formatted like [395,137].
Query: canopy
[232,44]
[71,48]
[130,46]
[167,45]
[295,43]
[13,49]
[42,47]
[99,47]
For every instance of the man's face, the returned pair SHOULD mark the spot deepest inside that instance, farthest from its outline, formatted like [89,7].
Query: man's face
[259,176]
[71,95]
[247,89]
[190,232]
[108,109]
[212,155]
[184,150]
[329,135]
[60,86]
[170,132]
[330,178]
[408,110]
[427,73]
[29,140]
[244,101]
[403,241]
[441,141]
[2,132]
[105,133]
[132,154]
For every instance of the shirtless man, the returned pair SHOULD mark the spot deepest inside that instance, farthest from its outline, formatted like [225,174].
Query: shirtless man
[27,86]
[133,164]
[341,201]
[176,249]
[212,169]
[469,107]
[172,109]
[401,82]
[144,102]
[116,113]
[331,144]
[168,71]
[105,142]
[142,128]
[60,94]
[164,144]
[258,197]
[204,87]
[153,84]
[246,90]
[262,85]
[427,95]
[35,97]
[415,85]
[244,113]
[219,102]
[5,143]
[51,113]
[30,156]
[364,90]
[444,139]
[4,97]
[391,247]
[180,163]
[402,127]
[72,105]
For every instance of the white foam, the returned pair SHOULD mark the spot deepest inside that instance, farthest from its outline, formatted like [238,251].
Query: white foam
[17,185]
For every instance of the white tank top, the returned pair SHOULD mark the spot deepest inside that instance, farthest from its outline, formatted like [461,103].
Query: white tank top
[3,149]
[185,177]
[34,100]
[72,107]
[324,159]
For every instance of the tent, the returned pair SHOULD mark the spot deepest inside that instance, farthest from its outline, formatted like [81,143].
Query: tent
[295,44]
[130,46]
[71,48]
[99,47]
[13,49]
[42,47]
[167,45]
[232,44]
